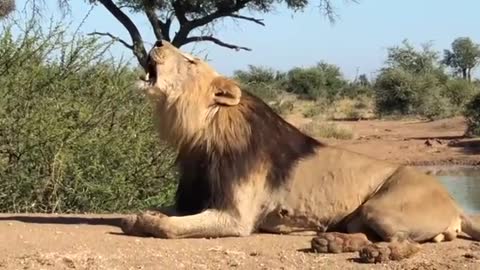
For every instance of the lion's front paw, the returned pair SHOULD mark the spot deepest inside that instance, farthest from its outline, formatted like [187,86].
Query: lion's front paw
[382,252]
[154,224]
[144,224]
[129,226]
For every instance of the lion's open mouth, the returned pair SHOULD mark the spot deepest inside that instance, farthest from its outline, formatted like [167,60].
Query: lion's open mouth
[151,74]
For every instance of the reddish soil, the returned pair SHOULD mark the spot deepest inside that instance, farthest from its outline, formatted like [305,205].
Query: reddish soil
[32,241]
[414,142]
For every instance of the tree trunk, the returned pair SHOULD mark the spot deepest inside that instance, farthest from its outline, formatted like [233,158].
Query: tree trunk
[469,75]
[464,73]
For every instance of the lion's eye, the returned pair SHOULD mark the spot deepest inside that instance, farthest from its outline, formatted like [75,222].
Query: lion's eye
[189,59]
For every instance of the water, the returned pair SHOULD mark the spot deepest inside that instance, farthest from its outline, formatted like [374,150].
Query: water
[463,184]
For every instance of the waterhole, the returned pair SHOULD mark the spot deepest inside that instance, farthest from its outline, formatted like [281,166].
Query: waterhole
[463,183]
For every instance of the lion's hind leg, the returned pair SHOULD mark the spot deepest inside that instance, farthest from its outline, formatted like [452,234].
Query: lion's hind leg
[336,242]
[398,248]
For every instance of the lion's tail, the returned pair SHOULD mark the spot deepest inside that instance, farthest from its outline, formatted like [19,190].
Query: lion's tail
[470,227]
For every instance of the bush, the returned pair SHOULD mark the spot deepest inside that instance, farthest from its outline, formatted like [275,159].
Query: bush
[74,135]
[472,116]
[322,81]
[260,81]
[395,92]
[256,74]
[459,92]
[400,92]
[434,106]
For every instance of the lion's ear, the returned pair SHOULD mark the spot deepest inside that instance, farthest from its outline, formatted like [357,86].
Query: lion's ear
[226,92]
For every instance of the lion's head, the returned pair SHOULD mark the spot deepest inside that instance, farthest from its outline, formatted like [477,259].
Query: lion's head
[187,93]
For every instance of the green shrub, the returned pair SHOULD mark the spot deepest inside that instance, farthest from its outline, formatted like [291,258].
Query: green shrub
[459,92]
[263,82]
[74,135]
[472,116]
[256,74]
[321,81]
[401,92]
[395,92]
[266,91]
[434,106]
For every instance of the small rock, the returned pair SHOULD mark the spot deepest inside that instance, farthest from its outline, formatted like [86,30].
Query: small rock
[470,256]
[68,262]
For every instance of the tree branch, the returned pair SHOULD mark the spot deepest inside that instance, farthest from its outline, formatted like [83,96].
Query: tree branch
[154,21]
[257,21]
[216,41]
[112,37]
[179,12]
[138,47]
[187,26]
[218,14]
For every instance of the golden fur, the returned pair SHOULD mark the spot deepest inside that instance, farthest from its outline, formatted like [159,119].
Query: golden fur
[244,169]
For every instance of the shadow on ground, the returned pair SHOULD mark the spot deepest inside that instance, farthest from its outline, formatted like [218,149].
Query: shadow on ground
[471,146]
[63,220]
[468,145]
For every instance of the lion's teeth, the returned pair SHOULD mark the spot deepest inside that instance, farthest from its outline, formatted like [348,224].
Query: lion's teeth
[147,76]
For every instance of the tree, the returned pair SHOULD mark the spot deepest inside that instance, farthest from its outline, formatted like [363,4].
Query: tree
[464,56]
[410,83]
[363,80]
[411,60]
[192,16]
[6,6]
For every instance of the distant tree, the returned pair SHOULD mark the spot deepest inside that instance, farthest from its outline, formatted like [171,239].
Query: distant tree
[6,6]
[333,77]
[256,74]
[196,18]
[464,56]
[412,60]
[363,80]
[411,83]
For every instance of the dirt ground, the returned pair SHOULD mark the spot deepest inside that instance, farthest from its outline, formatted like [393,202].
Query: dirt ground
[32,241]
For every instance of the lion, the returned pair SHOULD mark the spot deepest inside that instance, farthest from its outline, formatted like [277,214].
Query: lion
[244,169]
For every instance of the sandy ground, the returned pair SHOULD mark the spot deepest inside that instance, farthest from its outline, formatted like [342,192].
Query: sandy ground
[31,241]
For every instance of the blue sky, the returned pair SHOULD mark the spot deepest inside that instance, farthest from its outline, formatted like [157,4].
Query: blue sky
[358,40]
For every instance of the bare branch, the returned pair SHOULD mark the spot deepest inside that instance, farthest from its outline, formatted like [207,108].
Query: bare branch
[219,13]
[138,47]
[216,41]
[115,38]
[255,20]
[186,26]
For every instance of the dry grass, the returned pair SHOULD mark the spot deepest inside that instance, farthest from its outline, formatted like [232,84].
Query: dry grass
[360,108]
[327,130]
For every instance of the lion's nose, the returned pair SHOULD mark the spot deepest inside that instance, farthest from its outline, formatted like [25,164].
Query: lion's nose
[158,43]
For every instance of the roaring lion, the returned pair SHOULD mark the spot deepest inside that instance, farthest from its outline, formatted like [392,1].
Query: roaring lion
[244,169]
